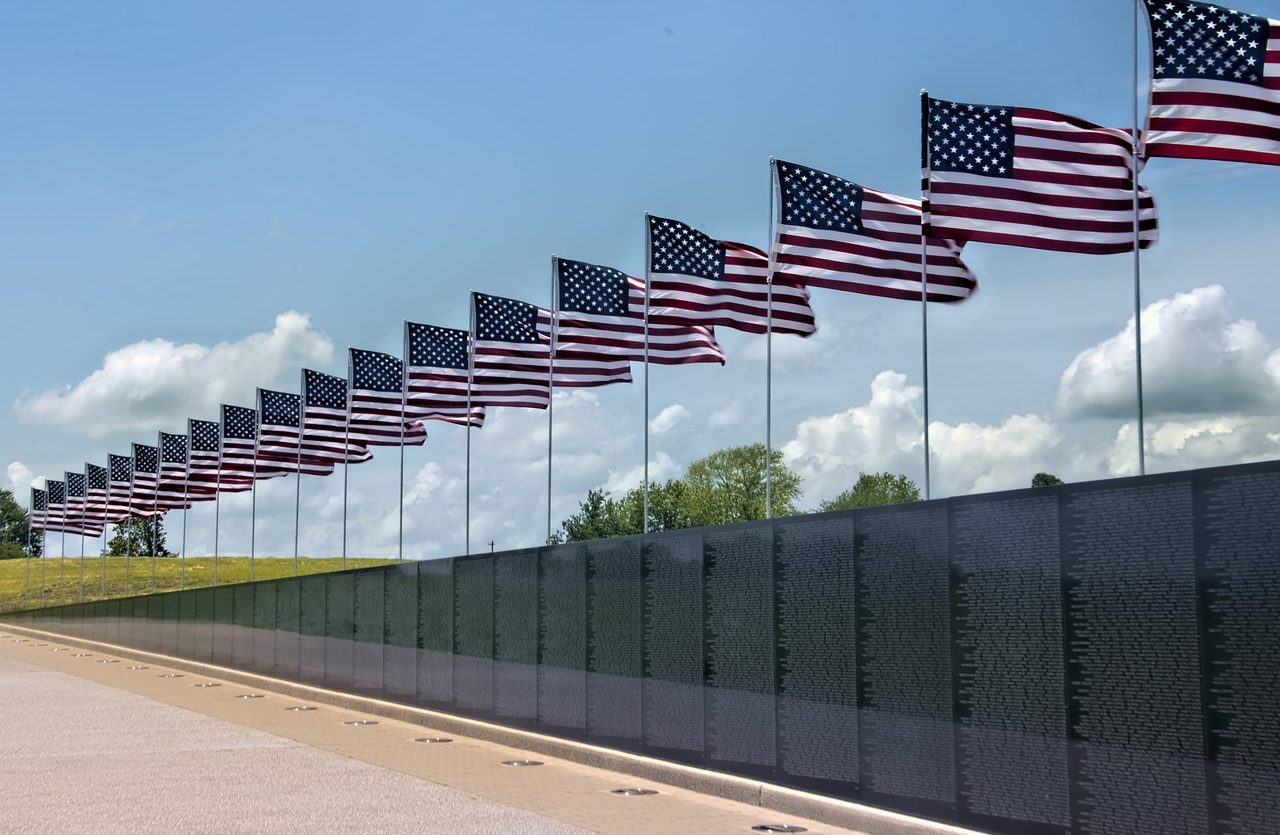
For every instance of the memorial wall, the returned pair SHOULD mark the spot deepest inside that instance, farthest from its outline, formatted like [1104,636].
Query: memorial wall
[1092,658]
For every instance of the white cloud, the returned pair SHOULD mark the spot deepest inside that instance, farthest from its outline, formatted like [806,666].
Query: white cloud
[728,415]
[20,478]
[1198,360]
[1185,445]
[156,383]
[668,419]
[661,468]
[886,434]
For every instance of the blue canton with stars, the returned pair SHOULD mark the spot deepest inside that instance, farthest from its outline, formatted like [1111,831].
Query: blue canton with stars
[57,492]
[374,371]
[433,347]
[971,138]
[280,408]
[75,485]
[121,467]
[505,320]
[173,448]
[676,247]
[324,391]
[146,459]
[39,500]
[239,423]
[96,476]
[818,200]
[1197,40]
[590,288]
[204,436]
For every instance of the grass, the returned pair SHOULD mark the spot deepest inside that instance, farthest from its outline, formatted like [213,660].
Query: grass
[61,578]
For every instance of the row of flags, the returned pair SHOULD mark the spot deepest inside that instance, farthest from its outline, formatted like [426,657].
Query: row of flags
[1015,176]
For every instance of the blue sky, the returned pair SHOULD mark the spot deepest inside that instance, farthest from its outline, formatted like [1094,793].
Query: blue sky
[188,172]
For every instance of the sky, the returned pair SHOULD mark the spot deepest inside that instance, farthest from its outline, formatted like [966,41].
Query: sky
[199,199]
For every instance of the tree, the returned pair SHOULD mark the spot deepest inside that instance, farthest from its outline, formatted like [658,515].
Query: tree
[1046,480]
[13,529]
[726,486]
[874,490]
[138,537]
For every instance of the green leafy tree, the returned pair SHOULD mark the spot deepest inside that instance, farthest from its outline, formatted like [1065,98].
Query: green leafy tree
[1045,480]
[138,537]
[13,529]
[874,490]
[726,486]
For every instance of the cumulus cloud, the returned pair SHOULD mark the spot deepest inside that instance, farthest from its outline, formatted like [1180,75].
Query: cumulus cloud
[728,415]
[885,434]
[156,383]
[20,478]
[668,419]
[1185,445]
[1198,359]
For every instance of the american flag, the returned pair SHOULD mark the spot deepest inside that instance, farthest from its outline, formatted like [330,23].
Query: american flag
[279,429]
[77,505]
[601,311]
[240,447]
[512,353]
[145,498]
[697,280]
[174,486]
[324,419]
[56,519]
[204,465]
[1025,177]
[840,235]
[438,369]
[39,509]
[1215,90]
[119,486]
[377,402]
[96,496]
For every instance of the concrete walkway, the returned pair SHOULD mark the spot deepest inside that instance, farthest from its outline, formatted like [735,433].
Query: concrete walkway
[130,746]
[82,757]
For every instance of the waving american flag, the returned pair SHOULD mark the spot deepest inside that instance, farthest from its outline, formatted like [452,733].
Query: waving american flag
[377,402]
[279,434]
[325,419]
[1020,176]
[1215,89]
[95,478]
[512,344]
[39,509]
[119,487]
[56,517]
[437,375]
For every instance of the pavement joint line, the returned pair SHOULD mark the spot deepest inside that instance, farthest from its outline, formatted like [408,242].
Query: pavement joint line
[769,797]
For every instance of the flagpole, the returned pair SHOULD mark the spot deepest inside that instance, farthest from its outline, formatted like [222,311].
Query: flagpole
[44,544]
[84,518]
[155,530]
[768,361]
[31,514]
[471,370]
[62,549]
[404,404]
[924,277]
[648,234]
[186,501]
[346,460]
[1137,257]
[253,486]
[128,540]
[551,389]
[217,501]
[297,488]
[106,512]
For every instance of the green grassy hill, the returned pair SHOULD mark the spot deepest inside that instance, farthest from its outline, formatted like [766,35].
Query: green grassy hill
[61,578]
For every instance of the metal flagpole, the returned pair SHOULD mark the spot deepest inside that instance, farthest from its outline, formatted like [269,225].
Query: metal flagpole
[346,460]
[297,492]
[62,549]
[84,518]
[471,370]
[1137,257]
[217,500]
[31,512]
[44,547]
[253,486]
[648,234]
[924,276]
[106,511]
[768,362]
[404,404]
[128,539]
[186,491]
[155,529]
[551,389]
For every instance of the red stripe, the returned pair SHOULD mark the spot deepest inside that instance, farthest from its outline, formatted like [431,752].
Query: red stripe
[1041,221]
[1071,157]
[1220,128]
[1094,137]
[1171,149]
[1271,107]
[870,272]
[1052,244]
[991,192]
[1050,116]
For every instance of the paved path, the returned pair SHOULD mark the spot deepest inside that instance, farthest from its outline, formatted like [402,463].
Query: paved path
[76,756]
[96,747]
